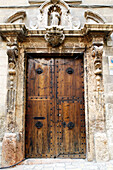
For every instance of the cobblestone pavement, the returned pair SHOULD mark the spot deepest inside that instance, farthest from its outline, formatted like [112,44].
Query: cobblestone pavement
[66,165]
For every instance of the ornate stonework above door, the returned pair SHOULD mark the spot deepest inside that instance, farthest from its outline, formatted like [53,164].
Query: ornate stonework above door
[54,33]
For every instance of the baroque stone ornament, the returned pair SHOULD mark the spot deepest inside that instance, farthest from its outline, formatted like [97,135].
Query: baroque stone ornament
[93,17]
[97,52]
[12,52]
[18,16]
[54,35]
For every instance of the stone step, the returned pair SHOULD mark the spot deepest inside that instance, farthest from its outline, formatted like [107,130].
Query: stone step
[36,161]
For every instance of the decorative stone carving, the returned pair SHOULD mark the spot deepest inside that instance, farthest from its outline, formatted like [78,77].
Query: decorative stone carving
[18,16]
[55,18]
[12,52]
[76,23]
[97,52]
[54,15]
[54,35]
[34,22]
[55,1]
[94,17]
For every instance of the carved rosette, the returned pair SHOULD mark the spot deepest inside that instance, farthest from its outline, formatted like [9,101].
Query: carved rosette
[97,52]
[54,35]
[12,52]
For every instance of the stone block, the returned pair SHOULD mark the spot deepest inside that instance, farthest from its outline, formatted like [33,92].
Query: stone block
[111,151]
[0,148]
[11,149]
[101,147]
[13,3]
[108,79]
[109,123]
[110,135]
[109,98]
[3,70]
[109,110]
[2,101]
[109,88]
[3,84]
[98,2]
[4,61]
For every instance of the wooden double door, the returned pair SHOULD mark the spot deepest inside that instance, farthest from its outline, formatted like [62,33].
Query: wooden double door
[55,117]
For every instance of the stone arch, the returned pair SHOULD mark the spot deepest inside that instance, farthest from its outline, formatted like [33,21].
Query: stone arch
[93,16]
[48,2]
[18,16]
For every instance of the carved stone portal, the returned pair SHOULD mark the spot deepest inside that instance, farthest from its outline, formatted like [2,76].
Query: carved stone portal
[54,35]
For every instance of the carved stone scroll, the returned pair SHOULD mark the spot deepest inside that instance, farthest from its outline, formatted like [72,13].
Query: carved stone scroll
[12,52]
[97,52]
[18,16]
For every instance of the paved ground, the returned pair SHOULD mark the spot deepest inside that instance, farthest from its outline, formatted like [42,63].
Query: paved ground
[66,165]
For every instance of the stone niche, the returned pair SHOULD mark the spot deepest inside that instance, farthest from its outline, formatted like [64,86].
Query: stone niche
[55,38]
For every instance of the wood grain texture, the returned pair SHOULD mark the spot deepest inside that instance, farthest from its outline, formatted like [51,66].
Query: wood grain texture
[58,97]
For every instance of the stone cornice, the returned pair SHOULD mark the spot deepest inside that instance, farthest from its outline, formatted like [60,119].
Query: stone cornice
[21,32]
[13,30]
[106,29]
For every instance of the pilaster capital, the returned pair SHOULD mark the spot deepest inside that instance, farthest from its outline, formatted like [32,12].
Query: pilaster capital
[97,52]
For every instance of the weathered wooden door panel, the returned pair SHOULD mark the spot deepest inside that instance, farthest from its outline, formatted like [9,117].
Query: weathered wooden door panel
[40,108]
[69,110]
[55,99]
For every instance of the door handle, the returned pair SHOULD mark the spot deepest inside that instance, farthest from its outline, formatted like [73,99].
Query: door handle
[36,118]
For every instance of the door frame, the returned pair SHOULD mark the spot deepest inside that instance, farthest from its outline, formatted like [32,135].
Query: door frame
[75,56]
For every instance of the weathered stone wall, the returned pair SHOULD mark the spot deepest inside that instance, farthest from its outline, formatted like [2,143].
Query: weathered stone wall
[108,84]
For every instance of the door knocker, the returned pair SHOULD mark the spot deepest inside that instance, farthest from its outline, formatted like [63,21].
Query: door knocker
[39,124]
[70,125]
[69,70]
[39,71]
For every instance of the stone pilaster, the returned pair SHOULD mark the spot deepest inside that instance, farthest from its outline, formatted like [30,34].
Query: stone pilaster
[12,52]
[100,137]
[12,141]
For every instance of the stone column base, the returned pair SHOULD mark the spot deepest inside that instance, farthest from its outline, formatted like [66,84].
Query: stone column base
[101,147]
[11,149]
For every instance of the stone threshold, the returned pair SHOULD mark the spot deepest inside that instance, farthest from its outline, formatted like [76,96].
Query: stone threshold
[34,161]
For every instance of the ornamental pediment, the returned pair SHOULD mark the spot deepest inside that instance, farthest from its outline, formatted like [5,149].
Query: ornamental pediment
[55,13]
